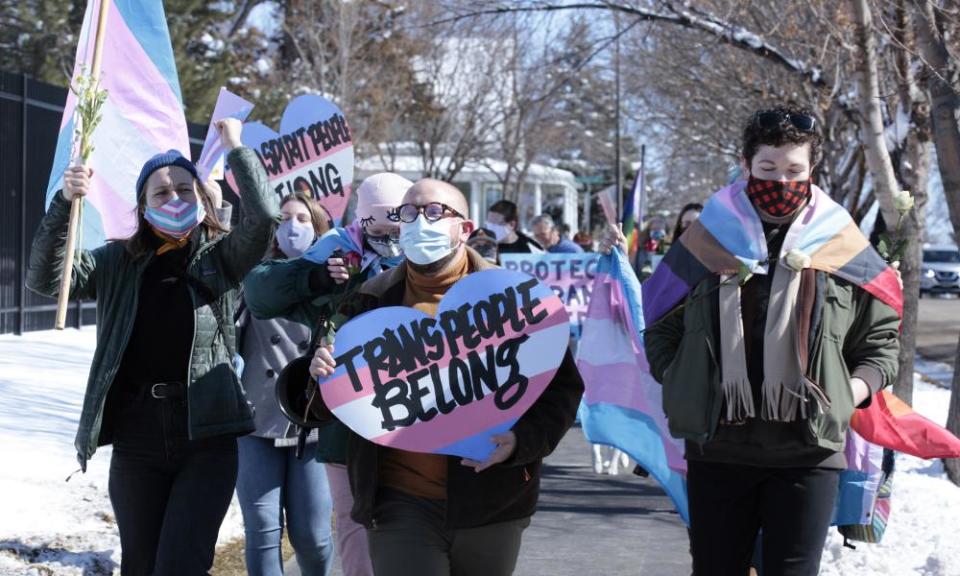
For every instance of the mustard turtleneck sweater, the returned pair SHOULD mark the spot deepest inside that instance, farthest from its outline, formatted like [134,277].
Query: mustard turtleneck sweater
[423,475]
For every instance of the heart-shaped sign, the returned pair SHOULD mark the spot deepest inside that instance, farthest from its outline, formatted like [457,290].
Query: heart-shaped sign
[445,385]
[312,153]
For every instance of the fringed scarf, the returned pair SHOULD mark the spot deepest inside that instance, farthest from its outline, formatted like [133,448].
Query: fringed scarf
[728,236]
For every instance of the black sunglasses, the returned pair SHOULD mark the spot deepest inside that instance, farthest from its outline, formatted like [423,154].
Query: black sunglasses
[802,122]
[433,211]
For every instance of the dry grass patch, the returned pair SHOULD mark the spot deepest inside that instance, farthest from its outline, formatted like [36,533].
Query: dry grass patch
[229,559]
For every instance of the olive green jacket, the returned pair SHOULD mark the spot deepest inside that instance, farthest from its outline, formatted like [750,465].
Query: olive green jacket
[215,399]
[857,335]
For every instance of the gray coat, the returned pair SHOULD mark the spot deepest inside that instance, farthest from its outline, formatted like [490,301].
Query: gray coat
[266,347]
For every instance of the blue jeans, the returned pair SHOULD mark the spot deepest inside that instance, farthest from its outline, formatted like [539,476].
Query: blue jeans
[274,486]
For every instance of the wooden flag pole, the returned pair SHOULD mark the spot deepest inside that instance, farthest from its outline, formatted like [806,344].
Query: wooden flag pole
[76,205]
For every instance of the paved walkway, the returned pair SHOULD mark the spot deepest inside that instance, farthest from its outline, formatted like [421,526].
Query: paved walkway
[593,525]
[588,524]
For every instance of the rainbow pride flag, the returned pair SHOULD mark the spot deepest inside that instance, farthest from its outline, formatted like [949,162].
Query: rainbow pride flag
[893,423]
[621,401]
[633,212]
[142,116]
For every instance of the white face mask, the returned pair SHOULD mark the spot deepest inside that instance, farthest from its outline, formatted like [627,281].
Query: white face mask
[425,242]
[295,237]
[501,231]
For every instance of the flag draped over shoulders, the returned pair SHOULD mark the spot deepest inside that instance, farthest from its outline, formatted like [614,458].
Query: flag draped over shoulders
[622,402]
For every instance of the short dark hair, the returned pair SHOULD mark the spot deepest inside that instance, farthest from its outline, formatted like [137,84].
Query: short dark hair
[757,134]
[505,208]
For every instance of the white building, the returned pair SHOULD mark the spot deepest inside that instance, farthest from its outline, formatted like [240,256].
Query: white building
[544,187]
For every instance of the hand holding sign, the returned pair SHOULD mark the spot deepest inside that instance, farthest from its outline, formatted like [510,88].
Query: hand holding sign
[312,153]
[447,385]
[505,445]
[230,130]
[229,105]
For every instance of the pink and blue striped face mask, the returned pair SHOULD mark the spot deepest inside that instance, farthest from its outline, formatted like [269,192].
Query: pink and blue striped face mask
[177,218]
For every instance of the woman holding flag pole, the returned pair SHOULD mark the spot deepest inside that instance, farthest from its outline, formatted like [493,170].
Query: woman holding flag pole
[162,388]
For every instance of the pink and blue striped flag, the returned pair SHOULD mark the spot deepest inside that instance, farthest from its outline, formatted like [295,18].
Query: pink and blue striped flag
[143,114]
[622,403]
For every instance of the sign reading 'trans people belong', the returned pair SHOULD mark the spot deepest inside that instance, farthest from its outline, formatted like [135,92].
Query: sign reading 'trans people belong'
[570,276]
[446,384]
[312,153]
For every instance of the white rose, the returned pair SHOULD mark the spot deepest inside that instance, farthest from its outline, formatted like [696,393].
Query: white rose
[903,201]
[797,260]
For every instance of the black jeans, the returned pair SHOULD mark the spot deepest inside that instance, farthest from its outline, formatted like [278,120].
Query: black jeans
[409,539]
[169,494]
[729,504]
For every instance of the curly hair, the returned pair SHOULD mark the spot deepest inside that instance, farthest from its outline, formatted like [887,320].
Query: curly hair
[778,133]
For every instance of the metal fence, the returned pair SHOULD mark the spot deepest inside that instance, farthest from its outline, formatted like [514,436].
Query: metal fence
[30,114]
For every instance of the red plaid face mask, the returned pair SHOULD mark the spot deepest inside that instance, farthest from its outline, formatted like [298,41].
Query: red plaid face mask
[778,198]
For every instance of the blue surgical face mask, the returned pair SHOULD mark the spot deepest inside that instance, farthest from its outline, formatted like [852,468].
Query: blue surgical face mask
[294,237]
[425,242]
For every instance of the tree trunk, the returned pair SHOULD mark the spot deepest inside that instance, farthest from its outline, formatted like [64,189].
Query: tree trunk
[918,153]
[953,420]
[944,113]
[871,119]
[914,170]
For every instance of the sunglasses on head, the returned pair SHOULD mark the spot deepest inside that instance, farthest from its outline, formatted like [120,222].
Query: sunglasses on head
[772,119]
[432,212]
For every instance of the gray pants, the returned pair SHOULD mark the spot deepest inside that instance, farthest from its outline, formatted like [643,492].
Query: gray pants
[410,540]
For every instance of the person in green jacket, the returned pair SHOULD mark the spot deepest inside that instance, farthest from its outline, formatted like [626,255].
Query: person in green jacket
[162,388]
[771,320]
[306,290]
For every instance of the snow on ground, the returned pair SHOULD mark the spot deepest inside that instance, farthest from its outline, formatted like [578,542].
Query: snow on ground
[923,536]
[939,373]
[48,525]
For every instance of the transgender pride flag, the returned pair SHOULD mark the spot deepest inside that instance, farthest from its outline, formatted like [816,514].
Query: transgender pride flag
[143,114]
[621,400]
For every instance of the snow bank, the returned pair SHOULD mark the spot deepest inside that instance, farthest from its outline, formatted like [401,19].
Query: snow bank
[923,536]
[47,523]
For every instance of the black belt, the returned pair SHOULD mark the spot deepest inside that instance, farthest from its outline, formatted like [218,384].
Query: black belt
[167,390]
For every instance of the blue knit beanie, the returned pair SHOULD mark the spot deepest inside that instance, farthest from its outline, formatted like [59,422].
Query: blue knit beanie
[168,158]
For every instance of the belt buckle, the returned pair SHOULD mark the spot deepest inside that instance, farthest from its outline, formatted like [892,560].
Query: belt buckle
[153,391]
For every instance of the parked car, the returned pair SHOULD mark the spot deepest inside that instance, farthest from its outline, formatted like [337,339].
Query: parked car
[940,271]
